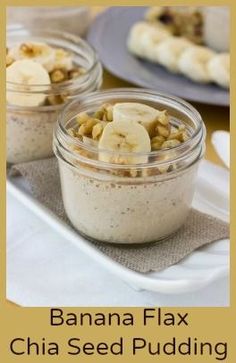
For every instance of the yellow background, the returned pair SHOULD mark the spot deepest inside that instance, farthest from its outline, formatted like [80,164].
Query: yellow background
[212,323]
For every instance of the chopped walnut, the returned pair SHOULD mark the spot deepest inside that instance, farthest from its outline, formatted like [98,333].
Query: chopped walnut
[166,135]
[163,118]
[99,114]
[178,135]
[163,130]
[58,75]
[157,141]
[63,66]
[30,49]
[168,144]
[105,112]
[98,130]
[86,128]
[108,113]
[82,118]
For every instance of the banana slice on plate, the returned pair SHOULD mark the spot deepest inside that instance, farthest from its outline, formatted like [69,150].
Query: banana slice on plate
[193,63]
[143,114]
[169,51]
[151,39]
[219,69]
[63,59]
[23,74]
[36,51]
[133,42]
[120,136]
[144,37]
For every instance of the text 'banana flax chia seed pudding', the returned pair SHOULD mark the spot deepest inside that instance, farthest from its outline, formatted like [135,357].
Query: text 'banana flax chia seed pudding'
[128,161]
[44,69]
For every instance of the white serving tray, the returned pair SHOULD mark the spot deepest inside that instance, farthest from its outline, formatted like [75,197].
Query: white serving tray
[194,272]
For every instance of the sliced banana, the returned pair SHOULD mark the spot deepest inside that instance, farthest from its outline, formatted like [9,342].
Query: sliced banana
[36,51]
[169,51]
[193,63]
[63,59]
[150,40]
[219,69]
[131,111]
[120,136]
[133,42]
[22,74]
[144,37]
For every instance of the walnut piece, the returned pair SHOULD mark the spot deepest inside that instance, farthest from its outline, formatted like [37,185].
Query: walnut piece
[86,128]
[98,130]
[167,135]
[105,112]
[156,142]
[59,75]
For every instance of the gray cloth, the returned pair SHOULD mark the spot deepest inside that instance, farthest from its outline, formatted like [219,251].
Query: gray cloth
[199,229]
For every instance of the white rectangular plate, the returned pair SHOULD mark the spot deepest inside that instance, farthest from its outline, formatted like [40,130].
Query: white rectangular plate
[200,268]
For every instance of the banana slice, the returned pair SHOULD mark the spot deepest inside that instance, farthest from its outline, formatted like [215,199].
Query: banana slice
[193,63]
[120,136]
[219,69]
[63,60]
[151,39]
[143,114]
[169,51]
[36,51]
[144,37]
[24,73]
[133,43]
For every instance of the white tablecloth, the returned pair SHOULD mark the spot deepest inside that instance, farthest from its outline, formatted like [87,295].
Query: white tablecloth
[43,269]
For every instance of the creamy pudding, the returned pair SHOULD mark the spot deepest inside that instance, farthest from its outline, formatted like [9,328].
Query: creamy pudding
[128,168]
[126,211]
[43,71]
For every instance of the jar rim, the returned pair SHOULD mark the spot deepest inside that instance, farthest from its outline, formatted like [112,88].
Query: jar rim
[55,10]
[174,153]
[70,38]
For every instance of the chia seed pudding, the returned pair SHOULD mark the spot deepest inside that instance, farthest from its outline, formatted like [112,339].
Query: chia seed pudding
[128,163]
[35,130]
[45,69]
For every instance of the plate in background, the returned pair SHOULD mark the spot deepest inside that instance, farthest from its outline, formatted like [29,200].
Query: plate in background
[108,35]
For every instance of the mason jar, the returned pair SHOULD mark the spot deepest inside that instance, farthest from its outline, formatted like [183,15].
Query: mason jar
[30,129]
[71,19]
[128,204]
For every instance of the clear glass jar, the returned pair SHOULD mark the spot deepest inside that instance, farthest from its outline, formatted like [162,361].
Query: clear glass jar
[30,129]
[107,202]
[71,19]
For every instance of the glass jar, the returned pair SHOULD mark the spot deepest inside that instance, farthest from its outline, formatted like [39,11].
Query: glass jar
[128,203]
[71,19]
[30,129]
